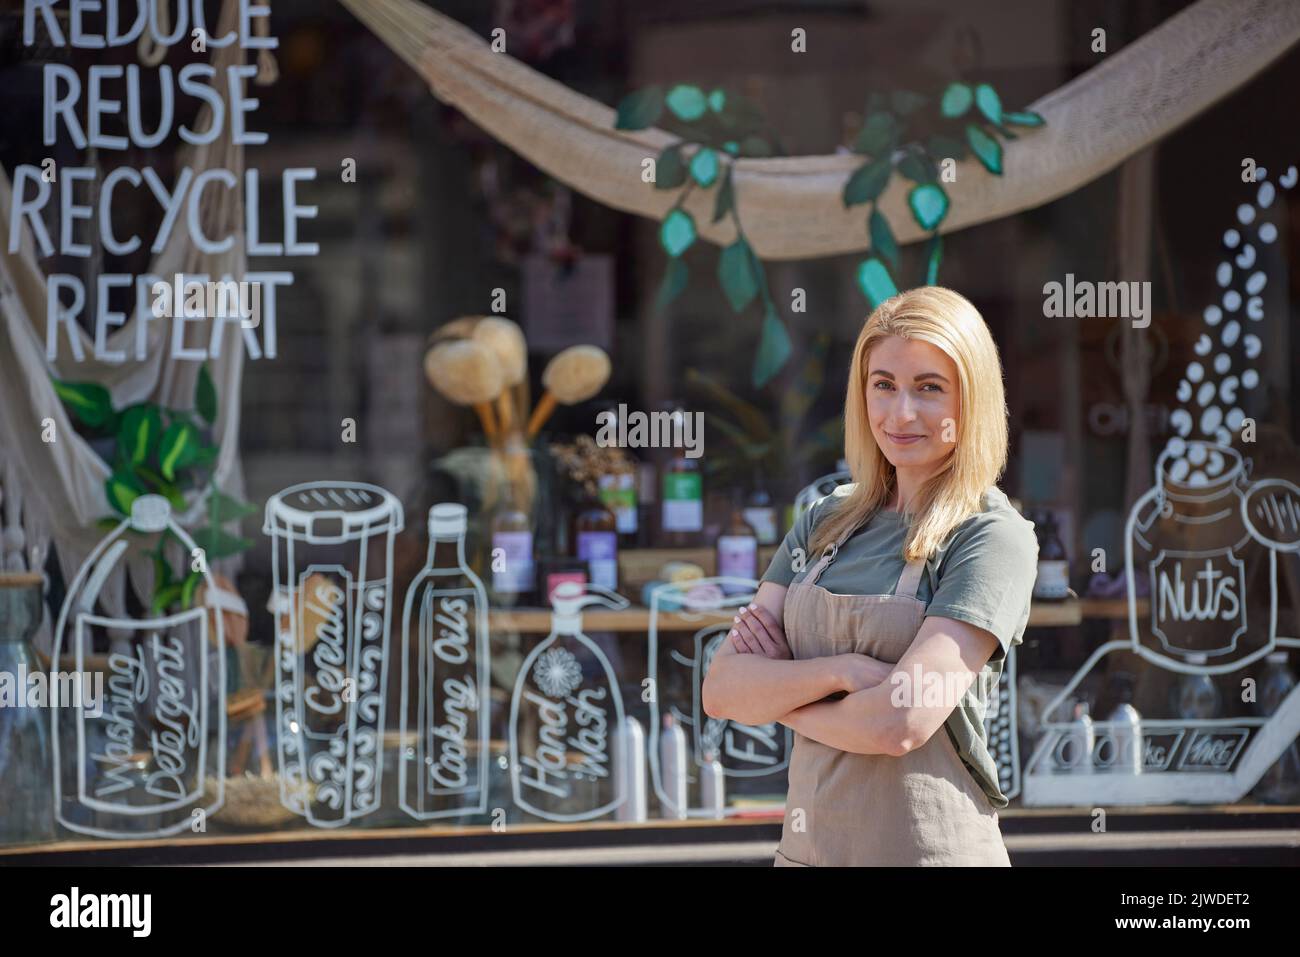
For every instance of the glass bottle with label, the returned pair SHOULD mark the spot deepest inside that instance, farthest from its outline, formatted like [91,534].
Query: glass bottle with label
[737,549]
[1053,581]
[445,720]
[618,494]
[595,540]
[513,567]
[683,502]
[760,512]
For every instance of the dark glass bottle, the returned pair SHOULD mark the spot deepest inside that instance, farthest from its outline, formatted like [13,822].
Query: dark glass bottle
[595,541]
[1053,582]
[760,511]
[513,557]
[737,547]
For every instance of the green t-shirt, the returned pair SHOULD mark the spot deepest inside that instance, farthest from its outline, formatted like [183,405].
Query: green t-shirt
[983,574]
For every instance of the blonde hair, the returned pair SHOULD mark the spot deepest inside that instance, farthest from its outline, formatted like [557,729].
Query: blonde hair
[948,321]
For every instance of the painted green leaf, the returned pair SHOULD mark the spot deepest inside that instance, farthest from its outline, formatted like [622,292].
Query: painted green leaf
[640,108]
[704,167]
[686,102]
[726,198]
[188,588]
[878,134]
[205,396]
[736,275]
[88,402]
[867,182]
[917,167]
[165,597]
[956,100]
[875,282]
[138,431]
[986,148]
[944,147]
[677,232]
[933,256]
[675,278]
[773,350]
[882,237]
[179,447]
[121,489]
[1025,118]
[905,101]
[670,171]
[755,146]
[717,100]
[223,508]
[929,204]
[989,103]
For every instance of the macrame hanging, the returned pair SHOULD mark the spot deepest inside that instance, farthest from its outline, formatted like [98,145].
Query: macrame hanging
[791,206]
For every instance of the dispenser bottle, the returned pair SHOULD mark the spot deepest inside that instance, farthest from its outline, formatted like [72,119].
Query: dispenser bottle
[565,713]
[443,771]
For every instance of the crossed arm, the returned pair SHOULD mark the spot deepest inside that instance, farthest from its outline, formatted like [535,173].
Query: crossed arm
[754,679]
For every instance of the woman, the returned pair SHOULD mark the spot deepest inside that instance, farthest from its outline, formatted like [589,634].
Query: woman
[906,588]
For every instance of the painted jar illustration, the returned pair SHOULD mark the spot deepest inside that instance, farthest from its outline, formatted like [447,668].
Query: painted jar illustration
[133,759]
[443,771]
[332,605]
[1188,537]
[565,715]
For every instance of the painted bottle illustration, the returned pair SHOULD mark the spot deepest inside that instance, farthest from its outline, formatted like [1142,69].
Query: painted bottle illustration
[331,566]
[445,695]
[565,714]
[146,757]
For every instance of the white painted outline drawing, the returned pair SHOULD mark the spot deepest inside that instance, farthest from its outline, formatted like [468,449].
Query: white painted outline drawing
[424,589]
[348,772]
[84,591]
[695,723]
[568,600]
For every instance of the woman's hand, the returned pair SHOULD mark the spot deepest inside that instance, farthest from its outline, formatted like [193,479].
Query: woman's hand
[859,672]
[756,631]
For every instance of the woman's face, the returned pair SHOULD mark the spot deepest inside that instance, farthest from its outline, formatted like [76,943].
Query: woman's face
[912,402]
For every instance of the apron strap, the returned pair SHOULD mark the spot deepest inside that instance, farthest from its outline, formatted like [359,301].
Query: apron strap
[828,555]
[909,582]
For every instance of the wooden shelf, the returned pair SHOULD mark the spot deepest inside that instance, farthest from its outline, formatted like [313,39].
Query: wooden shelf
[1042,614]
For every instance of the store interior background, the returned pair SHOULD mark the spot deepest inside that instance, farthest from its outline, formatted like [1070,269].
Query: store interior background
[417,241]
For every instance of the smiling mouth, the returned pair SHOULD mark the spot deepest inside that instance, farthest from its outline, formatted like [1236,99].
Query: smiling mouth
[904,439]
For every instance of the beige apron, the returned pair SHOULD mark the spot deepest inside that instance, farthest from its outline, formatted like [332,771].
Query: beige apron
[845,809]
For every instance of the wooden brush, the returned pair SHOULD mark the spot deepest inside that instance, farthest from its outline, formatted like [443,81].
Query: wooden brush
[573,376]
